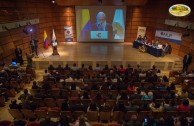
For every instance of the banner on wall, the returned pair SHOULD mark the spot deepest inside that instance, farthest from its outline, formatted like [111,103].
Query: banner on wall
[68,34]
[141,31]
[169,36]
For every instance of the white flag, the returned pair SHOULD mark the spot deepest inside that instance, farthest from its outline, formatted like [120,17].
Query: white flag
[53,36]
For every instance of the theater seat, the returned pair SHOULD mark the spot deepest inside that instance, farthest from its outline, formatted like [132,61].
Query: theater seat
[33,124]
[5,123]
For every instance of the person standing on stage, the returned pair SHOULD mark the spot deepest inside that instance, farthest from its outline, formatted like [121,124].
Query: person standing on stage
[18,54]
[187,61]
[34,46]
[29,59]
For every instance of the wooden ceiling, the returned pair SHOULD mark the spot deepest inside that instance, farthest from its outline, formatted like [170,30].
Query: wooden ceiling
[104,2]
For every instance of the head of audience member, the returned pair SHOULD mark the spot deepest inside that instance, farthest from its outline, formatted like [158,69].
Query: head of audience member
[185,102]
[25,91]
[45,71]
[90,67]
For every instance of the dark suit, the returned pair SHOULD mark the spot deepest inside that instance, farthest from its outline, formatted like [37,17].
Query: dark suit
[18,53]
[187,61]
[108,28]
[34,46]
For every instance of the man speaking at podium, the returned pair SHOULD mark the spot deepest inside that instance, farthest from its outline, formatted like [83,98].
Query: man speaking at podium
[54,44]
[102,25]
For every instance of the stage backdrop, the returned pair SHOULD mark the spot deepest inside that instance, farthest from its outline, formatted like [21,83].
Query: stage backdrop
[141,31]
[68,34]
[169,36]
[100,24]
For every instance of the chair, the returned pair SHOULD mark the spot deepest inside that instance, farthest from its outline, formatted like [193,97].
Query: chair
[59,102]
[28,113]
[55,92]
[33,124]
[129,114]
[105,116]
[142,115]
[78,113]
[114,125]
[50,102]
[40,113]
[53,114]
[92,115]
[39,101]
[5,123]
[66,113]
[98,124]
[117,115]
[16,114]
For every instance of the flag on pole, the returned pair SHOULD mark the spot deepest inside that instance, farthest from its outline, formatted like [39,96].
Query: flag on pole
[46,43]
[53,36]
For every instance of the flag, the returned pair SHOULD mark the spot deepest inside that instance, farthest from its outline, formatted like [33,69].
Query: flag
[46,44]
[84,23]
[118,24]
[53,36]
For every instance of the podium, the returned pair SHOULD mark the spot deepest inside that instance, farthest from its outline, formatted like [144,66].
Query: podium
[55,50]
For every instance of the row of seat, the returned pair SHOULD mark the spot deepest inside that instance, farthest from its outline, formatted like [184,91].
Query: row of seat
[51,102]
[92,115]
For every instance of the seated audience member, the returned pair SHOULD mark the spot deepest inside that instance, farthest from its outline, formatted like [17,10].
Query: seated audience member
[139,38]
[136,95]
[14,105]
[46,74]
[34,85]
[161,122]
[98,96]
[134,121]
[83,67]
[39,94]
[64,121]
[141,87]
[170,105]
[73,86]
[46,86]
[59,68]
[51,67]
[131,87]
[92,107]
[121,69]
[184,106]
[48,122]
[156,107]
[69,79]
[192,122]
[29,103]
[97,67]
[120,106]
[66,67]
[150,122]
[106,67]
[74,67]
[105,107]
[138,68]
[164,79]
[78,106]
[122,96]
[90,67]
[145,96]
[65,106]
[169,121]
[85,95]
[132,107]
[82,122]
[114,68]
[24,95]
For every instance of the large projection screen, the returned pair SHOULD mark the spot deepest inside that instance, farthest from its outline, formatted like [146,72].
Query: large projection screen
[100,23]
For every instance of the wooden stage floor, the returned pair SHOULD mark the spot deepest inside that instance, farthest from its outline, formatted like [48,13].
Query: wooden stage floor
[102,53]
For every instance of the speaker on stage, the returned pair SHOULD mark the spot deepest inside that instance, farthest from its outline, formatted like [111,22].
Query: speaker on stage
[55,50]
[34,46]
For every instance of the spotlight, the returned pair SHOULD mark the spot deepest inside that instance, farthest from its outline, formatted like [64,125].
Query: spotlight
[31,29]
[53,1]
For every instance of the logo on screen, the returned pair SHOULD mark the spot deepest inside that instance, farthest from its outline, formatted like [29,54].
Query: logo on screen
[98,35]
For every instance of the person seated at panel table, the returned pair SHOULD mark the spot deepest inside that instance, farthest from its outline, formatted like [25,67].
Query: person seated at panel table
[156,43]
[139,38]
[166,49]
[144,39]
[160,46]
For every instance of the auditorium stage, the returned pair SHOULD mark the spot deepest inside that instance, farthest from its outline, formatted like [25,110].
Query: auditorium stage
[103,53]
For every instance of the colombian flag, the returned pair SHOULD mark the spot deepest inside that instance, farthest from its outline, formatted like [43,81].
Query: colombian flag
[84,22]
[45,40]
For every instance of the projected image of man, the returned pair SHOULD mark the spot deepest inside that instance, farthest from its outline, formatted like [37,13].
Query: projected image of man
[102,25]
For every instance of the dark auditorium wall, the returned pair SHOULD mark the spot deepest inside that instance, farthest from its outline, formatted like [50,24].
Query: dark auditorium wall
[15,10]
